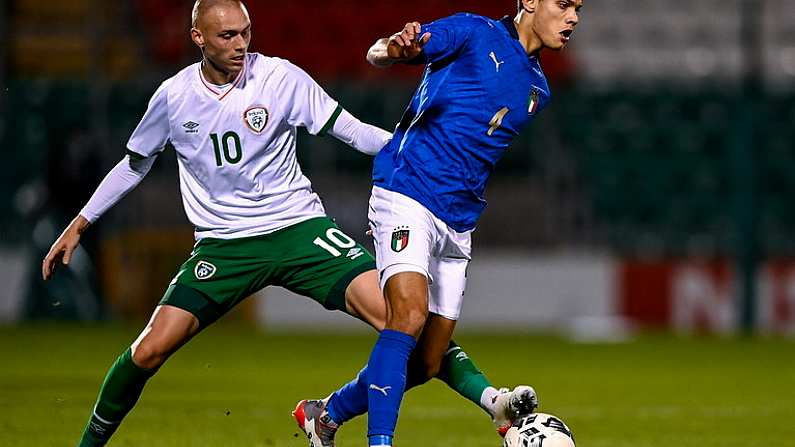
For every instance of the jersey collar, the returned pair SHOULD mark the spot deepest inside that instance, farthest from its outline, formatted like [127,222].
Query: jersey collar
[219,94]
[507,22]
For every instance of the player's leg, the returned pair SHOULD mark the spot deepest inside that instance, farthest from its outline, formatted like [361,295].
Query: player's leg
[447,294]
[319,261]
[405,237]
[345,280]
[391,353]
[446,298]
[355,397]
[405,285]
[168,329]
[406,294]
[452,365]
[364,300]
[217,276]
[426,360]
[431,358]
[434,357]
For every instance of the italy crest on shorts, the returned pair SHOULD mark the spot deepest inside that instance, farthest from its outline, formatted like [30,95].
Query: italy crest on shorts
[256,118]
[204,270]
[400,239]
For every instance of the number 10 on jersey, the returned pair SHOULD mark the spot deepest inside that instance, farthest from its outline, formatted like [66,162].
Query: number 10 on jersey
[223,151]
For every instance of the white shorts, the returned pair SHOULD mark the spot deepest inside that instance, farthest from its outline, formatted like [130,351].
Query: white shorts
[409,238]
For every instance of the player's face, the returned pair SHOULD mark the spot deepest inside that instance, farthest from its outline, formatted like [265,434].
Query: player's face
[226,30]
[555,21]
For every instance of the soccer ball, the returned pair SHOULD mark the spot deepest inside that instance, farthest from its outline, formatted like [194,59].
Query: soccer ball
[539,430]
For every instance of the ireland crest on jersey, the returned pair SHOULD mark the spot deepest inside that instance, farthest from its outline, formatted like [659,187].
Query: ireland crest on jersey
[256,118]
[204,270]
[400,239]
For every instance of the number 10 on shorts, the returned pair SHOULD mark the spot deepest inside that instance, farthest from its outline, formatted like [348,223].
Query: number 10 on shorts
[337,239]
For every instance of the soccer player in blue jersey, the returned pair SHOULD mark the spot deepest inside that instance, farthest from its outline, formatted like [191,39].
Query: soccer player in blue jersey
[482,84]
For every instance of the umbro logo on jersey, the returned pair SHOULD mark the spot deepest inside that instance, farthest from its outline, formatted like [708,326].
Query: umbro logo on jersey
[354,253]
[400,239]
[256,118]
[204,270]
[191,127]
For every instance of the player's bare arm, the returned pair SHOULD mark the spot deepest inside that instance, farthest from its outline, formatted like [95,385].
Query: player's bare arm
[63,248]
[400,47]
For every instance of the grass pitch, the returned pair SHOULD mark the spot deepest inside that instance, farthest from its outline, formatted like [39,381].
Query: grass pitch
[236,387]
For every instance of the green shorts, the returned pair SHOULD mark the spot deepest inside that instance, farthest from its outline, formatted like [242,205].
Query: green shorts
[312,258]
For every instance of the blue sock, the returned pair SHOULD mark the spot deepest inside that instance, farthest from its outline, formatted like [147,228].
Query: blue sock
[350,400]
[380,441]
[386,379]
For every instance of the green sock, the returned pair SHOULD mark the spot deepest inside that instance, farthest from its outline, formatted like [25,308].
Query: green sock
[119,393]
[458,371]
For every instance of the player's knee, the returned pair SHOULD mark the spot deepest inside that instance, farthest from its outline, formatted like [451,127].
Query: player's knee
[417,318]
[410,320]
[411,310]
[149,354]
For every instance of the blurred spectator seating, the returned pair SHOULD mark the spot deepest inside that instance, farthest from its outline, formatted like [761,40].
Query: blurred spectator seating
[656,166]
[660,167]
[70,39]
[328,39]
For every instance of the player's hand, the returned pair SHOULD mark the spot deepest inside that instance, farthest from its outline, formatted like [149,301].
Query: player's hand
[64,247]
[407,44]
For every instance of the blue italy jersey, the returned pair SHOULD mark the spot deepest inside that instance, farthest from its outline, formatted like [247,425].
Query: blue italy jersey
[479,89]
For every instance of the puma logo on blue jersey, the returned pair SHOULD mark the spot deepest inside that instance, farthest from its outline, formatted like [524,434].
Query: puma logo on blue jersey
[496,62]
[384,390]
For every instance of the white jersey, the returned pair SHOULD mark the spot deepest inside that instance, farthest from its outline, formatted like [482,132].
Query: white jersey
[235,144]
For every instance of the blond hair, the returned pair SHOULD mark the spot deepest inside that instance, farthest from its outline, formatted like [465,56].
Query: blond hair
[201,6]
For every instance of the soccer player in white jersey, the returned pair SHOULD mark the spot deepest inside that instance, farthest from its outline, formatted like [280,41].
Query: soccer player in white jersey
[232,120]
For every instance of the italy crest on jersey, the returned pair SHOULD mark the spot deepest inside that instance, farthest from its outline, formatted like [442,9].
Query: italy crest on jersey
[400,239]
[532,103]
[256,118]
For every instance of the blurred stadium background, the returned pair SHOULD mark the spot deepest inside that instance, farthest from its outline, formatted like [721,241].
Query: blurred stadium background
[655,190]
[655,193]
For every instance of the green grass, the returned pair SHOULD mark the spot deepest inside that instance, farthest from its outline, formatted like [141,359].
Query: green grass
[236,387]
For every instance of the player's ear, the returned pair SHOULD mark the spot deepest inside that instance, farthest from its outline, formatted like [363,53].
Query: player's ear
[197,37]
[529,6]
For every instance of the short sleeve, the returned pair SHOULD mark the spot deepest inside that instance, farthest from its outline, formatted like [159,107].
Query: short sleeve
[154,130]
[448,36]
[305,103]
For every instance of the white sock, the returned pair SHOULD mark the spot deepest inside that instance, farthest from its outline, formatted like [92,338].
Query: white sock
[488,399]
